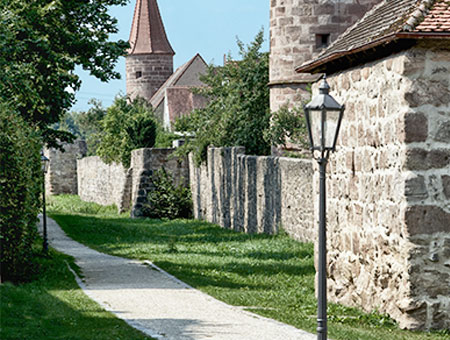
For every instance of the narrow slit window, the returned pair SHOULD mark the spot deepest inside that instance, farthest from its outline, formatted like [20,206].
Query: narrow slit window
[322,40]
[138,74]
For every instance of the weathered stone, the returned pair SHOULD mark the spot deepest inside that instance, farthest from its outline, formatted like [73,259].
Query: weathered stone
[415,188]
[104,184]
[61,177]
[254,194]
[416,127]
[446,185]
[423,92]
[443,132]
[420,159]
[426,220]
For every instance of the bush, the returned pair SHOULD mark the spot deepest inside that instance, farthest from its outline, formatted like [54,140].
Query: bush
[288,126]
[168,200]
[20,191]
[126,127]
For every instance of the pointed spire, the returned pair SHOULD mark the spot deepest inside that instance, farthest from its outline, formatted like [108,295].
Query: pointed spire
[147,31]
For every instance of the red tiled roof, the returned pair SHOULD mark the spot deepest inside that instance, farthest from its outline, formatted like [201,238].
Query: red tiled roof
[386,22]
[147,31]
[437,19]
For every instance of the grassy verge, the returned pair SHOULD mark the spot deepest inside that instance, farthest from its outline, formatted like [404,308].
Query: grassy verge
[270,275]
[53,307]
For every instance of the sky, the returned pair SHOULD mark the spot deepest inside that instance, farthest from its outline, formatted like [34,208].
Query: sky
[208,27]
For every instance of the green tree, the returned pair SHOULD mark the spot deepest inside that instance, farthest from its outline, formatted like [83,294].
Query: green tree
[86,125]
[41,43]
[287,125]
[238,112]
[126,127]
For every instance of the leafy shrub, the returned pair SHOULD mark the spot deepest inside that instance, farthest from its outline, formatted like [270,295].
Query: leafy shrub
[126,127]
[20,191]
[288,125]
[168,200]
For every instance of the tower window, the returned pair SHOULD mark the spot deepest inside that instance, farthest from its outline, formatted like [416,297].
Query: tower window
[138,74]
[322,40]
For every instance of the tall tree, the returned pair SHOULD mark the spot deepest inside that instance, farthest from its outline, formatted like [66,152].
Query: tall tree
[238,112]
[41,43]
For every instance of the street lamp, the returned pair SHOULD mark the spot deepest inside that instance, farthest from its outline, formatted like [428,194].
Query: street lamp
[44,167]
[323,118]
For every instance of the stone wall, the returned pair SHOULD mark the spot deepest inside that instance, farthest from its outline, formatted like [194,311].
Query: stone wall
[103,183]
[107,184]
[147,73]
[388,189]
[297,28]
[61,177]
[254,194]
[144,162]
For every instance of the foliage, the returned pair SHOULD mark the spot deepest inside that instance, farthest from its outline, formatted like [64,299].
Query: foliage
[126,127]
[54,307]
[42,41]
[85,125]
[272,275]
[238,110]
[20,188]
[287,126]
[164,138]
[168,200]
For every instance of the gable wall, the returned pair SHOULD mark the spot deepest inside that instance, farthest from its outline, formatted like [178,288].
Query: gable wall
[191,76]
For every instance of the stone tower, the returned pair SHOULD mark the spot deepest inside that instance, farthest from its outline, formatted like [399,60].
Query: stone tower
[299,31]
[150,58]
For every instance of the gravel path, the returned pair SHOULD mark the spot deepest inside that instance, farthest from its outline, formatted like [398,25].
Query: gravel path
[160,305]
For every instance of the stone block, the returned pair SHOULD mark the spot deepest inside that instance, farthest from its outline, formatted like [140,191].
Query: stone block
[415,188]
[443,132]
[416,128]
[446,185]
[421,159]
[423,92]
[426,219]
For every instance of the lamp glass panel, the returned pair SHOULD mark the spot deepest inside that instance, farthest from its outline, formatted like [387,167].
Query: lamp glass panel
[316,127]
[329,126]
[44,165]
[331,122]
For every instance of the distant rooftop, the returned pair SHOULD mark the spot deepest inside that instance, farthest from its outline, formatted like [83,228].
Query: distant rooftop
[158,97]
[147,30]
[391,21]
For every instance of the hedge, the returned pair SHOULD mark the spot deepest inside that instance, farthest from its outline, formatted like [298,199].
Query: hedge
[20,193]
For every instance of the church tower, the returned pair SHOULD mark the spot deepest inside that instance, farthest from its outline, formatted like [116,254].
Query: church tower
[150,58]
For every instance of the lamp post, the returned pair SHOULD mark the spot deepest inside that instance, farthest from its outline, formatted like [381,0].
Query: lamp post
[323,118]
[44,167]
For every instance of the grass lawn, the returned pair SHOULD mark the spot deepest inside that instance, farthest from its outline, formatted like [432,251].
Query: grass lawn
[270,275]
[53,307]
